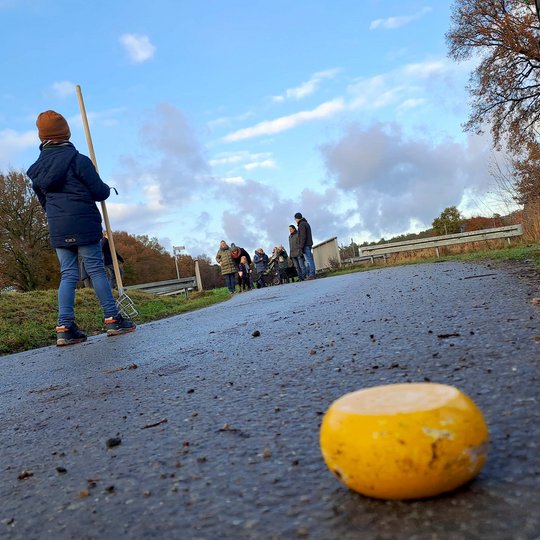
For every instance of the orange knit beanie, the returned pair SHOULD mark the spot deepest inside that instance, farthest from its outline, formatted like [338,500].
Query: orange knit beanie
[52,126]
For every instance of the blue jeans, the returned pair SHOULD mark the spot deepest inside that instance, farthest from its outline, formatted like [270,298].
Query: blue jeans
[69,268]
[300,267]
[308,255]
[230,281]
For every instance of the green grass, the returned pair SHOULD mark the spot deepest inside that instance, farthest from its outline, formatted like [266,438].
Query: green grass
[27,320]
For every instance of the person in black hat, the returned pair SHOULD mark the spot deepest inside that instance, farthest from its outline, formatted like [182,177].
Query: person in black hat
[305,244]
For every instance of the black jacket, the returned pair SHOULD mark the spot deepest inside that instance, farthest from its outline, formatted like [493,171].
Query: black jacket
[107,255]
[304,235]
[239,254]
[68,186]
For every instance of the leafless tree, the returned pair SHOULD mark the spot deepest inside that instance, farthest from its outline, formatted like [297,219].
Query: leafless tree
[505,85]
[503,36]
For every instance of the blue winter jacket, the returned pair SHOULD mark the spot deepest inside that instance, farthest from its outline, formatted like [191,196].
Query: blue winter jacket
[261,262]
[68,186]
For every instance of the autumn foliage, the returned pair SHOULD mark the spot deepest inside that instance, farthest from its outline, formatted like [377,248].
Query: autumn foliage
[28,262]
[26,259]
[145,260]
[503,36]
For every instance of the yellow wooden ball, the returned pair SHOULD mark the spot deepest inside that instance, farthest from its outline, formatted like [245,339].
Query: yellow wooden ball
[404,441]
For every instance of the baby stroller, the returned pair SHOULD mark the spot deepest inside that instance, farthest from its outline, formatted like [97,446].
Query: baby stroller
[272,275]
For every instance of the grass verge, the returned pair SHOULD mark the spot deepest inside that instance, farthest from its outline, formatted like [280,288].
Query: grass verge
[514,253]
[27,320]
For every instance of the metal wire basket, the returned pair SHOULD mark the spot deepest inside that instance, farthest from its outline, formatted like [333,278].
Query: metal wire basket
[126,307]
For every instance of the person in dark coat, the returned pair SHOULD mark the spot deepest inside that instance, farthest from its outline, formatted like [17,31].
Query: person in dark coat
[296,255]
[305,244]
[261,264]
[282,261]
[244,274]
[68,186]
[108,261]
[237,253]
[84,278]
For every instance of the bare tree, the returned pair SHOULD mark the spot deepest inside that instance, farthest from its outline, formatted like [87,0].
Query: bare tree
[528,174]
[503,35]
[505,85]
[26,259]
[502,169]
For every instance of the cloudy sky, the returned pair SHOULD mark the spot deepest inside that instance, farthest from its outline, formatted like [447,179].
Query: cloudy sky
[221,119]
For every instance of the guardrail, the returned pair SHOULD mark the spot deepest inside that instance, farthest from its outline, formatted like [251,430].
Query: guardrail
[507,232]
[167,288]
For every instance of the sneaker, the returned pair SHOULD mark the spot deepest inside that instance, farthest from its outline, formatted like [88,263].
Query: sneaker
[69,335]
[118,325]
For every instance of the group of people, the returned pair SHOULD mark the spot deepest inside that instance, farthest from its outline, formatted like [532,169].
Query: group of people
[237,265]
[68,186]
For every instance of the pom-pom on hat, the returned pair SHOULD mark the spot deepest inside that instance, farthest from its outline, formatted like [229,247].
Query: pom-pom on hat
[52,126]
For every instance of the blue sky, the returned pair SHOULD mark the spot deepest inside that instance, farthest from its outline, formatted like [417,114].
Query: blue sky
[221,119]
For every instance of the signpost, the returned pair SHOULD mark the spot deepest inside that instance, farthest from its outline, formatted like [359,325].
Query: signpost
[176,252]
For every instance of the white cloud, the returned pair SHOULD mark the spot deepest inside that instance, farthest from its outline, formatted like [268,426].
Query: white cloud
[249,227]
[177,163]
[264,164]
[63,89]
[408,83]
[307,88]
[234,180]
[411,104]
[397,180]
[424,70]
[403,88]
[227,120]
[391,23]
[270,127]
[108,117]
[244,159]
[13,143]
[138,47]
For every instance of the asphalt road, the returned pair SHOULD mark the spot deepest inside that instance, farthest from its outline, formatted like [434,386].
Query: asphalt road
[216,430]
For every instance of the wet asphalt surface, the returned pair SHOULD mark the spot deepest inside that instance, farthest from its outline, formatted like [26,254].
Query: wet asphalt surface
[216,430]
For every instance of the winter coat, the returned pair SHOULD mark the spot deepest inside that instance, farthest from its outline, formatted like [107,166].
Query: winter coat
[246,270]
[294,248]
[107,255]
[239,254]
[224,258]
[282,258]
[304,235]
[261,262]
[68,186]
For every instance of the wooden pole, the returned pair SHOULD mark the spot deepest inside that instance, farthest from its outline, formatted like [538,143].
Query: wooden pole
[103,205]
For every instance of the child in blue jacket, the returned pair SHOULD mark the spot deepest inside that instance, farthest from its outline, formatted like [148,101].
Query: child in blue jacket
[68,186]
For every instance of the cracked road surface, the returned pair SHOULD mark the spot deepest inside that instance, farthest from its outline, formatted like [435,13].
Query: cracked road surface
[194,428]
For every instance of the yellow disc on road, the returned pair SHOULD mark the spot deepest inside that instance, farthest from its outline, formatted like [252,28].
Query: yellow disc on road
[404,441]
